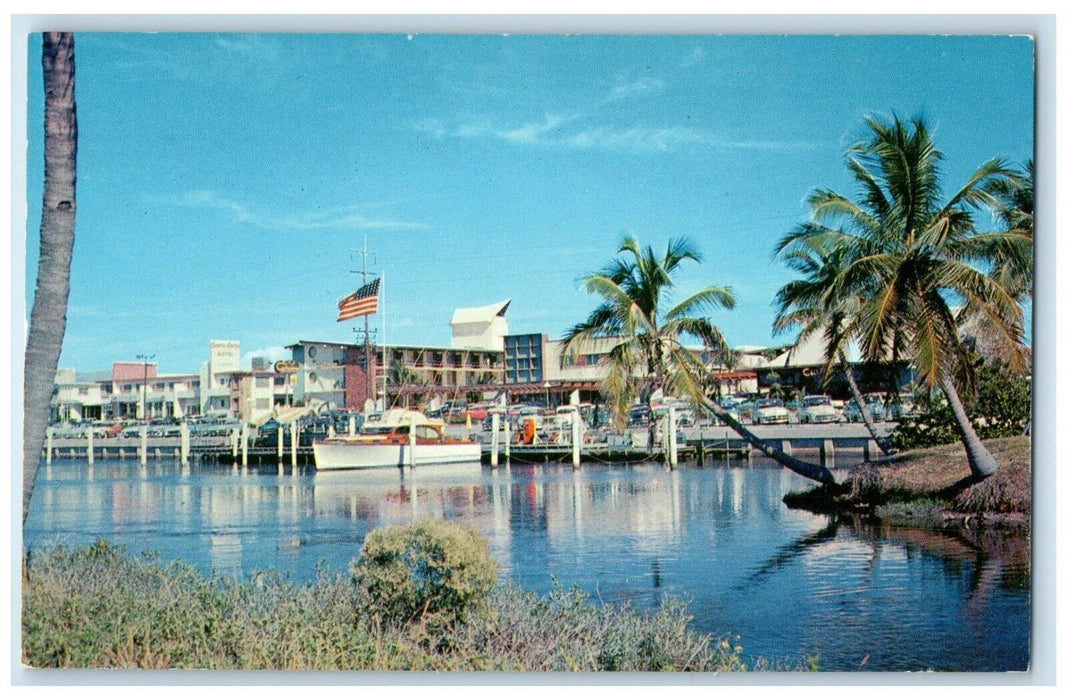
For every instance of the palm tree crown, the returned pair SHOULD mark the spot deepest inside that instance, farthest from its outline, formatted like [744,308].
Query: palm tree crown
[648,354]
[905,253]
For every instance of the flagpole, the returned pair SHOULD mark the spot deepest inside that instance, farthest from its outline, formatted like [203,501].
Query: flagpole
[369,381]
[385,362]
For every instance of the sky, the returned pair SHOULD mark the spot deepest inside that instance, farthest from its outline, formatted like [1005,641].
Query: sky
[227,183]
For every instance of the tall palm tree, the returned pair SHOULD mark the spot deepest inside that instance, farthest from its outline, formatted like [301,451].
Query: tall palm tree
[1014,211]
[648,355]
[48,318]
[809,302]
[908,255]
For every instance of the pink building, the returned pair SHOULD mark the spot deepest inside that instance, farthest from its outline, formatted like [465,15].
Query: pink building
[132,371]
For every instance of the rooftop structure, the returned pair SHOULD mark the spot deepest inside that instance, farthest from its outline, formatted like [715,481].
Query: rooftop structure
[481,328]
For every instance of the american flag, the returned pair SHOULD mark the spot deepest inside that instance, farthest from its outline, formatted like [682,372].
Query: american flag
[362,302]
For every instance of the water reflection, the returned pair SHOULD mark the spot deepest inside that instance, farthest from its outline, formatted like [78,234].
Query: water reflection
[789,582]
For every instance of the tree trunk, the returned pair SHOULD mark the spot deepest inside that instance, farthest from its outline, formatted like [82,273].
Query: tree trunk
[816,472]
[865,413]
[980,459]
[48,319]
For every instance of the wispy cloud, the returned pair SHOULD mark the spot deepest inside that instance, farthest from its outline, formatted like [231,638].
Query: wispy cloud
[349,217]
[567,132]
[625,88]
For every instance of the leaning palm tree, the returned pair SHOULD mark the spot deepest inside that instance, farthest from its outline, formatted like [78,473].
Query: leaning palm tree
[810,303]
[48,318]
[647,355]
[909,255]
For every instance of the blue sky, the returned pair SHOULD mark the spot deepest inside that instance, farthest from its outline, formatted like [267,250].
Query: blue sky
[227,182]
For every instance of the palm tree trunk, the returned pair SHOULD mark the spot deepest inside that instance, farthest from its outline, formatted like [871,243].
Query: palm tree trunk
[48,319]
[865,413]
[982,462]
[816,472]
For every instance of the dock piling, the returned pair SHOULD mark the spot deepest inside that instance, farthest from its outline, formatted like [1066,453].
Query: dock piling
[144,444]
[281,444]
[48,447]
[294,437]
[576,440]
[183,432]
[494,458]
[89,445]
[507,441]
[672,438]
[244,444]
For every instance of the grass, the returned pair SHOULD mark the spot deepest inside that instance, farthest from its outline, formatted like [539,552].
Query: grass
[98,608]
[933,486]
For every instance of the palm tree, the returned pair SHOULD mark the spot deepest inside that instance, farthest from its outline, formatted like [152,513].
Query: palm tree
[48,318]
[809,302]
[648,355]
[907,254]
[1014,211]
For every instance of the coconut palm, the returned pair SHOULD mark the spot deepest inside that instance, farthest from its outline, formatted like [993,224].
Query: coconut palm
[48,318]
[647,355]
[808,302]
[908,255]
[1014,211]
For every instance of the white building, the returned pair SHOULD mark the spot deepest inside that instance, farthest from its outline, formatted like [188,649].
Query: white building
[224,357]
[481,328]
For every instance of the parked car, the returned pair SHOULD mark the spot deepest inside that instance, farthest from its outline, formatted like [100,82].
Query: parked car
[874,406]
[817,409]
[902,407]
[768,411]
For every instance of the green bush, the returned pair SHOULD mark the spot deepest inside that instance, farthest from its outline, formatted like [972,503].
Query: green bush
[1000,408]
[431,571]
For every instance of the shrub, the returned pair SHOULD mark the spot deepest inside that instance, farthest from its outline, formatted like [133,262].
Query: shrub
[1001,408]
[431,571]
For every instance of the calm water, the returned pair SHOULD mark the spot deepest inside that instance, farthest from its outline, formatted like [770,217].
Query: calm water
[787,582]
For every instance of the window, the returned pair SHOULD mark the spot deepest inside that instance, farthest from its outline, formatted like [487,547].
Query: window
[262,382]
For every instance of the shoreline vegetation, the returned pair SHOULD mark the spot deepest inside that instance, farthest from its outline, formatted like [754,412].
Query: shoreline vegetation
[933,488]
[97,607]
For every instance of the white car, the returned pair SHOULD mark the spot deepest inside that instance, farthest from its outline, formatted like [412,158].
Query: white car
[818,409]
[770,411]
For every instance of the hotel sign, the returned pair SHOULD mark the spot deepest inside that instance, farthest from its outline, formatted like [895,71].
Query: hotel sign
[285,366]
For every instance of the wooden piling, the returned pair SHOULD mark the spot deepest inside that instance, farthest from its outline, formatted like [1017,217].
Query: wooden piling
[294,438]
[281,443]
[48,448]
[507,441]
[89,445]
[144,445]
[576,440]
[494,458]
[672,438]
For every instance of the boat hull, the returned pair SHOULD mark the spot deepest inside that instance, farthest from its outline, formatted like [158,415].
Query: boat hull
[364,455]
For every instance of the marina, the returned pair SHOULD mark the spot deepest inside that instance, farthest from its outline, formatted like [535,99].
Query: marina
[696,445]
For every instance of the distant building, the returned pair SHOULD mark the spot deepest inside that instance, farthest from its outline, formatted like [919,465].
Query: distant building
[481,328]
[254,395]
[801,367]
[321,374]
[224,357]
